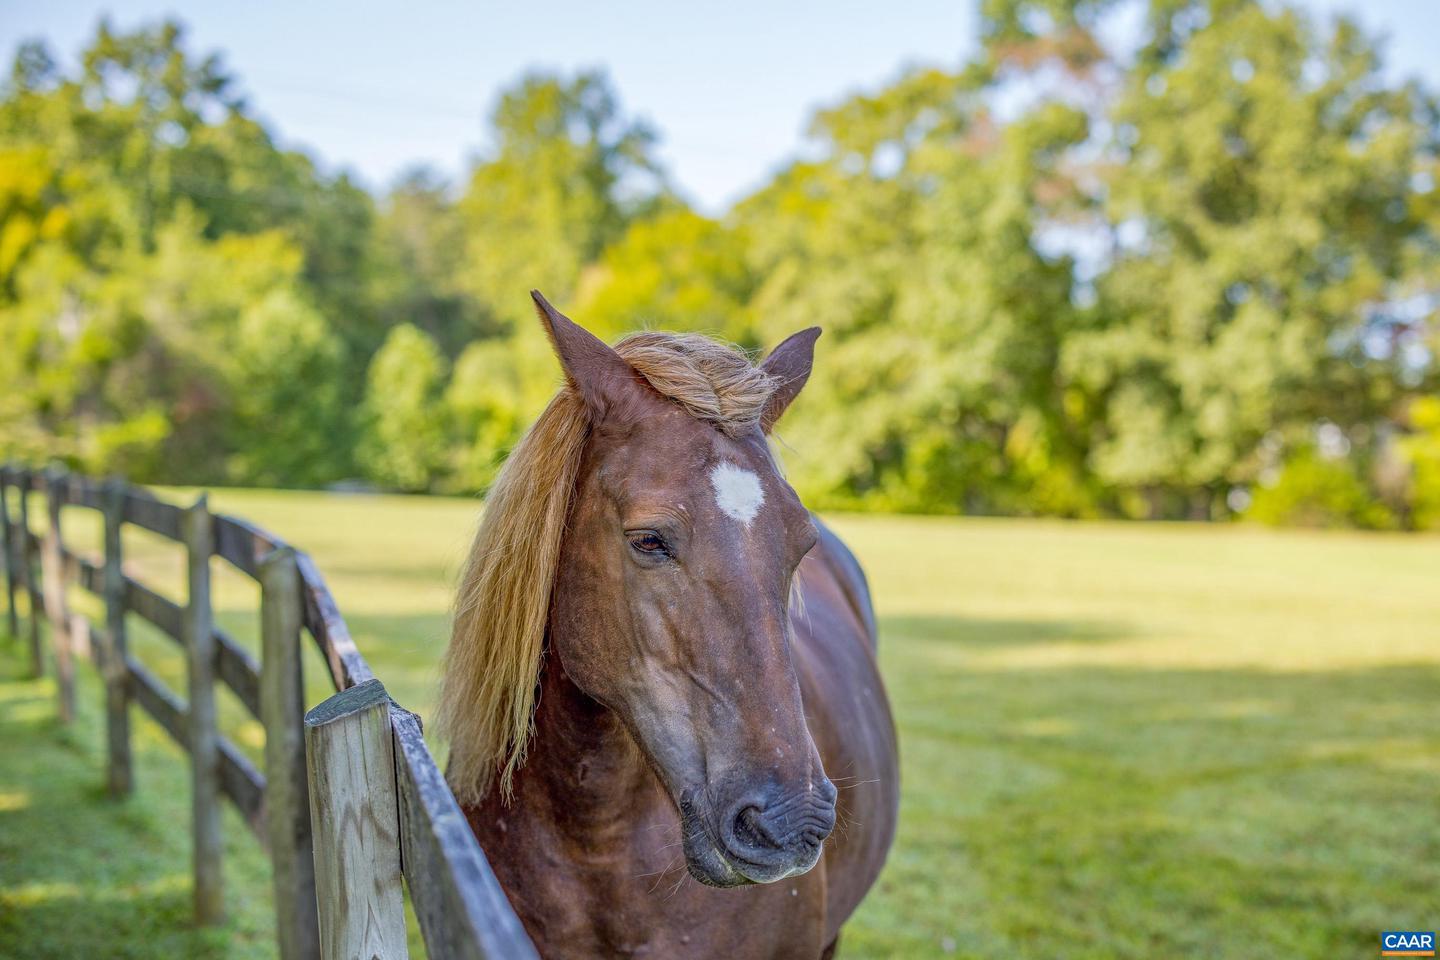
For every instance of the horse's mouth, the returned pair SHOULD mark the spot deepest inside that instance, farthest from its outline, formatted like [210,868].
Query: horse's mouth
[712,868]
[711,864]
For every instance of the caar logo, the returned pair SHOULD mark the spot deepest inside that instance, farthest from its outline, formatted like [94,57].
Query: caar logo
[1407,943]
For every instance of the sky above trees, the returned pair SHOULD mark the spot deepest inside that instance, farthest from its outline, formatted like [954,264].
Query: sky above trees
[729,88]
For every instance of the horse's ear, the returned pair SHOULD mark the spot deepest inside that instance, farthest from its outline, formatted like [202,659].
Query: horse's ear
[790,364]
[599,373]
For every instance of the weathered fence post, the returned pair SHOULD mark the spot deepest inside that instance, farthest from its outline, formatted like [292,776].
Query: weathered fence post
[53,580]
[24,483]
[112,663]
[282,711]
[12,555]
[355,816]
[198,530]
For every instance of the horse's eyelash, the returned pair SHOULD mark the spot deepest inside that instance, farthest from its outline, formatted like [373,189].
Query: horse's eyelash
[664,543]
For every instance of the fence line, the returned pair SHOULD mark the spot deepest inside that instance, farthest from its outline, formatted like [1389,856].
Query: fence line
[306,810]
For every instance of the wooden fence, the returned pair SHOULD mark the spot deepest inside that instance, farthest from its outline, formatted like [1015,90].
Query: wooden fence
[330,825]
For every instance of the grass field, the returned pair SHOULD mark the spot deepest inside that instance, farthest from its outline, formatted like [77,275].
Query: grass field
[1118,740]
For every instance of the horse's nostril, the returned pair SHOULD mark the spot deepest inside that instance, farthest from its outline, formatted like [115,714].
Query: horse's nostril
[781,830]
[751,830]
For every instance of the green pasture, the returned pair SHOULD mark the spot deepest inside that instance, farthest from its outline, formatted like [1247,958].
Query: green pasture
[1118,740]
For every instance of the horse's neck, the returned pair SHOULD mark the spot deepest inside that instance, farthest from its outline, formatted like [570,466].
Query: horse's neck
[582,762]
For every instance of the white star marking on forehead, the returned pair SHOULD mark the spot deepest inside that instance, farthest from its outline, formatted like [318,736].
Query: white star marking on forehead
[737,492]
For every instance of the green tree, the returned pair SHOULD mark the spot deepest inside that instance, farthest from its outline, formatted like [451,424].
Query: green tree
[289,423]
[405,441]
[912,241]
[566,178]
[566,174]
[1262,205]
[1316,491]
[488,399]
[147,218]
[676,270]
[1053,279]
[420,263]
[1421,451]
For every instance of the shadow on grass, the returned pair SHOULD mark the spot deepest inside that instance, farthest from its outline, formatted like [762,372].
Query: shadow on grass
[994,633]
[65,921]
[1100,811]
[82,875]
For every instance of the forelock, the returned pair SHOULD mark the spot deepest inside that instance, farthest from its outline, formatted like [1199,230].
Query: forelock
[714,381]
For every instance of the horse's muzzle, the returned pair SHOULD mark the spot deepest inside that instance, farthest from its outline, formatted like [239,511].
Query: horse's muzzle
[764,837]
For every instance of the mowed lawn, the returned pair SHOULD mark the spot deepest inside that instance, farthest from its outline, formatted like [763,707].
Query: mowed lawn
[1118,740]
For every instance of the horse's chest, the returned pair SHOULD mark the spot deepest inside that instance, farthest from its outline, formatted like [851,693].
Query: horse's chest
[684,929]
[625,910]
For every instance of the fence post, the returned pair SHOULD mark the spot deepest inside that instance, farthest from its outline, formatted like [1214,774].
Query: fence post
[12,555]
[24,482]
[282,711]
[53,580]
[198,531]
[355,815]
[112,664]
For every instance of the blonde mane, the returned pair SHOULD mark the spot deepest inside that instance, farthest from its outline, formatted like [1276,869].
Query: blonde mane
[497,642]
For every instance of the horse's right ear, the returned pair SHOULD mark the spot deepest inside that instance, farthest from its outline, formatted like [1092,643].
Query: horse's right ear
[600,374]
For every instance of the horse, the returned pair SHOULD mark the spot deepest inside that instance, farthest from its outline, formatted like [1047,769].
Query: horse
[657,656]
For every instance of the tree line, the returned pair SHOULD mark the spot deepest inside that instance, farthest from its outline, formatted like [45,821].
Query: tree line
[1193,278]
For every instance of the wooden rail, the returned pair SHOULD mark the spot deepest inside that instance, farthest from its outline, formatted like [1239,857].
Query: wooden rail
[328,822]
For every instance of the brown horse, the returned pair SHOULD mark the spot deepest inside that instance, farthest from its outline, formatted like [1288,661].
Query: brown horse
[682,652]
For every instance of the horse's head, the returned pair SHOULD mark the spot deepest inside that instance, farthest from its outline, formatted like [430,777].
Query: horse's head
[671,606]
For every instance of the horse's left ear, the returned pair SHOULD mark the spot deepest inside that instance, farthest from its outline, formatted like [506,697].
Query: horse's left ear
[790,364]
[601,375]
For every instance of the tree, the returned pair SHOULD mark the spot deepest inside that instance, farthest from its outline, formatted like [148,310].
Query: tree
[676,270]
[1421,451]
[1316,491]
[566,178]
[405,441]
[419,263]
[487,401]
[1055,279]
[289,423]
[912,242]
[1261,201]
[150,226]
[567,173]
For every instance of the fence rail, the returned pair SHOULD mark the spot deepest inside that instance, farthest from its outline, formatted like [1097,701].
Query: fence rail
[328,823]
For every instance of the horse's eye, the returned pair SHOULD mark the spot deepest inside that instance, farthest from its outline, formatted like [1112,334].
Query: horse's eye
[648,542]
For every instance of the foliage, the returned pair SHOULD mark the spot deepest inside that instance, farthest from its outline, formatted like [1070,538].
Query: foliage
[166,274]
[1422,451]
[1061,278]
[286,359]
[1315,491]
[1296,219]
[676,270]
[956,317]
[497,388]
[566,174]
[419,258]
[404,444]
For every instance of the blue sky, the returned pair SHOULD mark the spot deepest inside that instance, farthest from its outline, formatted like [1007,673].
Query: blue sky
[730,86]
